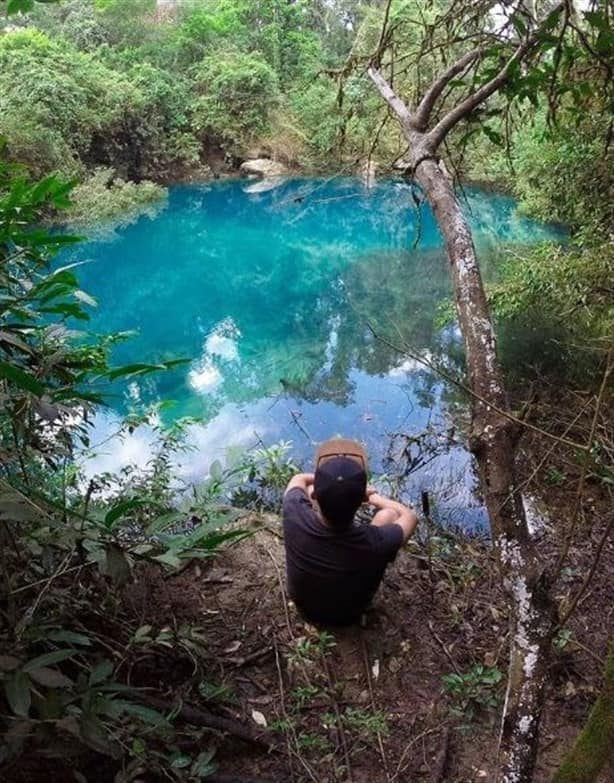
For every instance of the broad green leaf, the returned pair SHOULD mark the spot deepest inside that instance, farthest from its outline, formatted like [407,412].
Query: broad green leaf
[101,672]
[142,369]
[215,470]
[69,636]
[94,735]
[8,663]
[50,678]
[44,660]
[122,508]
[597,19]
[17,690]
[180,760]
[84,297]
[203,764]
[21,379]
[117,566]
[169,558]
[17,342]
[165,520]
[148,714]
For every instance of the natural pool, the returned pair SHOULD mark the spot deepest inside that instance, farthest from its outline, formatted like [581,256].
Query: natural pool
[274,294]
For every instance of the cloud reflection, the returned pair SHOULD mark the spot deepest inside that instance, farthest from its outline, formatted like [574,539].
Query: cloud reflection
[220,346]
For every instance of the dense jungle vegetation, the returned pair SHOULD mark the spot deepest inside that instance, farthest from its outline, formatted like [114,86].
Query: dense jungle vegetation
[103,103]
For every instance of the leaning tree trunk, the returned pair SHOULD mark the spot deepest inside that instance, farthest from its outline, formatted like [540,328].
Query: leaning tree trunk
[493,441]
[494,434]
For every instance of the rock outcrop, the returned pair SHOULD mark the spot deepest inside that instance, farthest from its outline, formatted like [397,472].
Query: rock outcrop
[263,167]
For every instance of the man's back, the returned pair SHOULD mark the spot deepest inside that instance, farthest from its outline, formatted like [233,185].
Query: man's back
[333,573]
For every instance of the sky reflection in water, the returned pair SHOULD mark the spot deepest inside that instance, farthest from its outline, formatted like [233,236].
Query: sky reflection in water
[275,296]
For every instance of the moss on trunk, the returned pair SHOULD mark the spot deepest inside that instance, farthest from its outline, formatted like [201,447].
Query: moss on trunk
[595,743]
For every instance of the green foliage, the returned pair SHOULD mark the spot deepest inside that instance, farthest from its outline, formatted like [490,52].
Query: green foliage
[59,675]
[263,474]
[554,303]
[308,649]
[368,723]
[20,6]
[566,174]
[237,93]
[55,89]
[302,695]
[555,477]
[562,639]
[475,691]
[103,195]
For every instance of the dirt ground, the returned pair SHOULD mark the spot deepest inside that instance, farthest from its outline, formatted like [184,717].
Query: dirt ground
[413,695]
[368,704]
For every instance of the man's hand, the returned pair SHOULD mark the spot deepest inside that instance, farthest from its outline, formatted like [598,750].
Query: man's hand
[302,481]
[371,490]
[390,511]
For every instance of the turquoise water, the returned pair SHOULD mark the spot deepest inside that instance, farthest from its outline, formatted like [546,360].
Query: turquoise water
[274,296]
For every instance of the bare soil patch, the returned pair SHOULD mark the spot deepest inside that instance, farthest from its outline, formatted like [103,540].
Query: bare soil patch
[369,703]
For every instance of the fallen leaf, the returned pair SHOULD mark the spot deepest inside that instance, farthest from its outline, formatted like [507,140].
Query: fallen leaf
[259,718]
[232,647]
[375,669]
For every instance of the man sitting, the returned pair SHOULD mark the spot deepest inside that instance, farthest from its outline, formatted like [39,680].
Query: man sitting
[334,566]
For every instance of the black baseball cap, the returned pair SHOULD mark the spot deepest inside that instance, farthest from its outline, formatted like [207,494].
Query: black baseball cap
[340,480]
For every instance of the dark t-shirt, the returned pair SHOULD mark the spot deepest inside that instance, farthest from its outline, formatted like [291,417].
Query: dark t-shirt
[332,575]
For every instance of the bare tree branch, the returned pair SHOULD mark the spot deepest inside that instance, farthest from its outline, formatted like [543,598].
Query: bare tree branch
[465,107]
[392,99]
[425,107]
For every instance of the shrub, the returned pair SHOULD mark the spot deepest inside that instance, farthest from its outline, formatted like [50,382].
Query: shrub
[237,93]
[103,196]
[51,88]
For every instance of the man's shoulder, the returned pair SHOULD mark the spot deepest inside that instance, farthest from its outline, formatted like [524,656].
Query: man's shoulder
[384,538]
[296,504]
[293,496]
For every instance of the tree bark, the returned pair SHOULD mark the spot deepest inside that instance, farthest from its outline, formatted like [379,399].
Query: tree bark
[595,743]
[493,441]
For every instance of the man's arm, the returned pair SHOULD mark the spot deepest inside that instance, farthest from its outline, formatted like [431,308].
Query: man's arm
[302,481]
[392,512]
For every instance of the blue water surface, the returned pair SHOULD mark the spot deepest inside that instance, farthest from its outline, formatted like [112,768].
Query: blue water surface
[306,309]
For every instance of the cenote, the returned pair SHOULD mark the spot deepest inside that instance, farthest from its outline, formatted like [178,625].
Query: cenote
[304,310]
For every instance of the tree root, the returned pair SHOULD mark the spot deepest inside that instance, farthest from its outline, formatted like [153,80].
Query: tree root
[199,717]
[441,761]
[236,779]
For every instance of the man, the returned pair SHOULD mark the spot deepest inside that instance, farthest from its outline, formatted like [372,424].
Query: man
[334,566]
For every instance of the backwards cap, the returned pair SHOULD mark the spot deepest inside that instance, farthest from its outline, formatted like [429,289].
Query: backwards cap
[340,480]
[342,447]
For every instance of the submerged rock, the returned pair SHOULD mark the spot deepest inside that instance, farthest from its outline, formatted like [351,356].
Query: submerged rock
[263,167]
[264,185]
[367,171]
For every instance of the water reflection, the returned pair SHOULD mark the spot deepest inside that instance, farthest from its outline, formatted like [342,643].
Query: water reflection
[302,309]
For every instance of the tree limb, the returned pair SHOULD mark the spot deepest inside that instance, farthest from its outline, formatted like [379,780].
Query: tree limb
[425,107]
[199,717]
[465,107]
[392,99]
